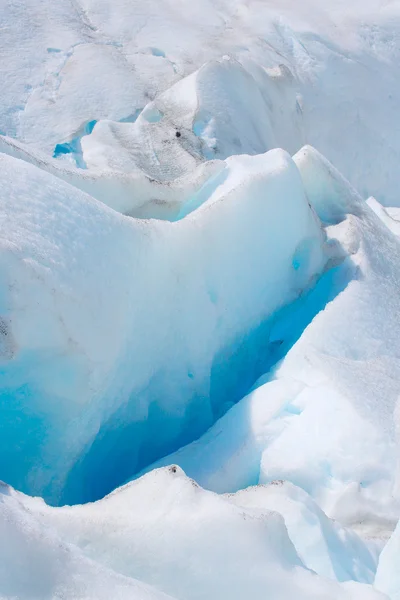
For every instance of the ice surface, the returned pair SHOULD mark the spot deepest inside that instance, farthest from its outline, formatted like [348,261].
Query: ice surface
[323,545]
[165,531]
[324,417]
[243,324]
[75,273]
[134,193]
[218,111]
[36,563]
[90,60]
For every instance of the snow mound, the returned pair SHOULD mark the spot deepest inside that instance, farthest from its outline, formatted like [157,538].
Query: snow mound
[215,112]
[35,562]
[100,377]
[166,531]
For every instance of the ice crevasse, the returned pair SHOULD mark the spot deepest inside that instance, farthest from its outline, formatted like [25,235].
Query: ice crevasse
[323,416]
[184,308]
[253,287]
[199,332]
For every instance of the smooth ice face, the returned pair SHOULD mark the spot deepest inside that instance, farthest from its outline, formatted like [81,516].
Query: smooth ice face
[183,307]
[323,545]
[257,316]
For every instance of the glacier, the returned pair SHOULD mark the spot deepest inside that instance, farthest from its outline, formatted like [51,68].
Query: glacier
[147,529]
[199,300]
[165,373]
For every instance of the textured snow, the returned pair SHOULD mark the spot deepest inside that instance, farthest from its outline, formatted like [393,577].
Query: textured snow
[213,113]
[167,531]
[87,61]
[323,545]
[36,563]
[134,193]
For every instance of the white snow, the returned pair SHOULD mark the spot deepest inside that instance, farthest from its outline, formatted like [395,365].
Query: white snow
[165,530]
[86,60]
[36,563]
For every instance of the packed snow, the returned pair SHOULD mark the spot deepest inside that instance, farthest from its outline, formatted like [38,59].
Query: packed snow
[171,534]
[199,300]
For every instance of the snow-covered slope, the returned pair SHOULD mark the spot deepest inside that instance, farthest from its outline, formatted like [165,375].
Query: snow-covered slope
[36,563]
[84,61]
[387,575]
[165,530]
[323,545]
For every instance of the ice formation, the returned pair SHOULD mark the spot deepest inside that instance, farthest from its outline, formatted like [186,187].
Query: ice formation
[199,300]
[329,392]
[173,300]
[168,532]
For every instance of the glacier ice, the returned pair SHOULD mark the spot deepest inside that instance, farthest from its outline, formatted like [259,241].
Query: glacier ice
[134,193]
[166,531]
[213,113]
[104,61]
[48,259]
[168,368]
[323,417]
[50,273]
[387,575]
[323,545]
[186,308]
